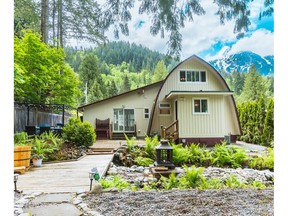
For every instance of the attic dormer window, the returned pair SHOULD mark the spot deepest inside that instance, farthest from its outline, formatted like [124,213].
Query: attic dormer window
[192,76]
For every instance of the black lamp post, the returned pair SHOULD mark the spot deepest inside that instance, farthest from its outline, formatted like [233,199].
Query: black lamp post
[93,174]
[164,155]
[15,183]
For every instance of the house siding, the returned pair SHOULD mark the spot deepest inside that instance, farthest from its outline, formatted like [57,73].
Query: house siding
[221,118]
[136,100]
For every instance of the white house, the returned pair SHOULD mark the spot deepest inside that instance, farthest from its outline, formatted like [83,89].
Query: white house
[193,104]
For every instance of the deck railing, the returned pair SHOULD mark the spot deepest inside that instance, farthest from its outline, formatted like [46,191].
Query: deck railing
[170,132]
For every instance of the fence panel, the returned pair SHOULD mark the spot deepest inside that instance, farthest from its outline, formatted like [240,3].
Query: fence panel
[35,118]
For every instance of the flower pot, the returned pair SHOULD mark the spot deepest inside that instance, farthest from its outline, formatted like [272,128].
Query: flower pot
[37,162]
[22,155]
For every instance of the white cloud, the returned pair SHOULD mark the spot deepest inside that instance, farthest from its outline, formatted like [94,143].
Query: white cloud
[260,42]
[201,34]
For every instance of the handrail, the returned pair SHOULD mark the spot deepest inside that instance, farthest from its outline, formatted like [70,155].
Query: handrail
[165,131]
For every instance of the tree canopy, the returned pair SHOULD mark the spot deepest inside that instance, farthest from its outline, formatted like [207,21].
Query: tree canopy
[41,74]
[88,20]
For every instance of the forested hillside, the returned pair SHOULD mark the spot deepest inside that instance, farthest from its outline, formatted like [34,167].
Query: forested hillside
[115,68]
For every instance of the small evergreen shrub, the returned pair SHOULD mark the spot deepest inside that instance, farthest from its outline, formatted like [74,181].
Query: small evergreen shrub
[79,133]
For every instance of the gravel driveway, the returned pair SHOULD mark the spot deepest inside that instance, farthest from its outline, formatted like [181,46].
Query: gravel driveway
[183,202]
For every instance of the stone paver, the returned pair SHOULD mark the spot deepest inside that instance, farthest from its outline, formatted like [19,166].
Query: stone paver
[62,209]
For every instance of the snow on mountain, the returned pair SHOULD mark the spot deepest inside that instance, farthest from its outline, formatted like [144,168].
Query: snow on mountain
[243,61]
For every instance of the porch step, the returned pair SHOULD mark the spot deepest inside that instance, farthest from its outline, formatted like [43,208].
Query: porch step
[121,136]
[100,151]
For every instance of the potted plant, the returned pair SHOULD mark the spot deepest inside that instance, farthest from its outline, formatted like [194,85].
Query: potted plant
[22,150]
[39,150]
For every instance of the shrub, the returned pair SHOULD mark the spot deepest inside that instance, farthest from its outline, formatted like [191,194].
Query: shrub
[79,133]
[181,155]
[21,139]
[85,134]
[193,177]
[130,142]
[264,161]
[228,156]
[151,143]
[171,182]
[233,182]
[196,153]
[115,181]
[40,149]
[212,183]
[142,161]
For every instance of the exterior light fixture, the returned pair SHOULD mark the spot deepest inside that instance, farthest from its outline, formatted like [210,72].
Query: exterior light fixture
[15,182]
[164,155]
[93,174]
[184,142]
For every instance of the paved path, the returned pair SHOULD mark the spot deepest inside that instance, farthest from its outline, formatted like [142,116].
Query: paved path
[63,177]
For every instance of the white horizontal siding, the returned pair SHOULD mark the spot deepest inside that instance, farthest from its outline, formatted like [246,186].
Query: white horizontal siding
[132,100]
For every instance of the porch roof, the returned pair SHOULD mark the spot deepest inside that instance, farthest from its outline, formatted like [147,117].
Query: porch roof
[174,94]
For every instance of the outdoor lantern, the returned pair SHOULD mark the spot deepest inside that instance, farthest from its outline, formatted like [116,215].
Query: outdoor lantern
[15,183]
[164,155]
[93,174]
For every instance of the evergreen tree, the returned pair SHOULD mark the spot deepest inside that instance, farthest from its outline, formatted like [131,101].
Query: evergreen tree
[88,69]
[126,84]
[112,90]
[268,130]
[238,81]
[160,72]
[95,93]
[254,87]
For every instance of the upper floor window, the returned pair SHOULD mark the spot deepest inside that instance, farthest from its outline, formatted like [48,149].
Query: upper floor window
[192,76]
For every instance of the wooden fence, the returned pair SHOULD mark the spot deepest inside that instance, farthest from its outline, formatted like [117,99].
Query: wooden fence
[35,118]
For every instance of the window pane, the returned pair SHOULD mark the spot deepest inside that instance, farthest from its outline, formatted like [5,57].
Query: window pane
[196,105]
[165,111]
[203,76]
[182,76]
[204,106]
[193,76]
[146,113]
[189,76]
[197,76]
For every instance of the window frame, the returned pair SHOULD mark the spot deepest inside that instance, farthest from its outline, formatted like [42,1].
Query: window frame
[164,108]
[200,103]
[146,114]
[192,76]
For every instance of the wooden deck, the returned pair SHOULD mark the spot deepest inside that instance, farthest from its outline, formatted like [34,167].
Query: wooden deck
[63,177]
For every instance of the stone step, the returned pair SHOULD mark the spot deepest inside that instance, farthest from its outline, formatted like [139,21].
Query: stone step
[100,153]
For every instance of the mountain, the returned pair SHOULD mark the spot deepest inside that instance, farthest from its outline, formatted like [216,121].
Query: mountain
[243,61]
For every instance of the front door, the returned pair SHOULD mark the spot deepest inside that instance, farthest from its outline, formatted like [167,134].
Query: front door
[123,120]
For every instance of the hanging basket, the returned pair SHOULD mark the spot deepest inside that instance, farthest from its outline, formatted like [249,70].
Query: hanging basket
[22,155]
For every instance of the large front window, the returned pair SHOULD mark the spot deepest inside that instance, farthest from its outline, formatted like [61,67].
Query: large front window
[200,105]
[124,120]
[192,76]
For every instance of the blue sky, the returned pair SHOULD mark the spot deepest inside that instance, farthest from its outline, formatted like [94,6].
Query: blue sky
[205,36]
